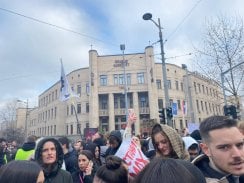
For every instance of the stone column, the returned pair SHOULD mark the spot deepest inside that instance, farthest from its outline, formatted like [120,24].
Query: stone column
[111,124]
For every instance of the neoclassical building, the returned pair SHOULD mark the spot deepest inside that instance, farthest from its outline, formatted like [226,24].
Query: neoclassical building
[101,90]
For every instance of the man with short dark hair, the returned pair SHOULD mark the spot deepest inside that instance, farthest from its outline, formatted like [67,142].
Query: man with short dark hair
[223,148]
[70,155]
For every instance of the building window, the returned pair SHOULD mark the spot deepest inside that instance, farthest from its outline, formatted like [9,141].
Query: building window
[171,102]
[55,112]
[206,107]
[202,106]
[87,107]
[140,78]
[169,84]
[115,79]
[54,130]
[176,85]
[121,79]
[179,105]
[67,129]
[72,109]
[158,81]
[197,106]
[199,87]
[78,129]
[71,129]
[87,88]
[78,108]
[181,86]
[207,90]
[195,87]
[103,80]
[203,89]
[143,101]
[128,78]
[160,103]
[79,89]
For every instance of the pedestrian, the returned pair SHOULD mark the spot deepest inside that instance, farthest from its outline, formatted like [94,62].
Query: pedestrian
[168,143]
[3,148]
[223,148]
[191,145]
[19,171]
[170,170]
[115,140]
[87,168]
[49,155]
[113,171]
[28,148]
[70,155]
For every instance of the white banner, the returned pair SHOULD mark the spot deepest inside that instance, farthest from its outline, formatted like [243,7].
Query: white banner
[133,156]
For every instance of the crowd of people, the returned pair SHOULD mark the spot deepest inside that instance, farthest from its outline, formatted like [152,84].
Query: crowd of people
[212,154]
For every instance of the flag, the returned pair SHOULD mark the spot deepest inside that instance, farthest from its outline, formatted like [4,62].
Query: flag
[174,109]
[65,93]
[184,108]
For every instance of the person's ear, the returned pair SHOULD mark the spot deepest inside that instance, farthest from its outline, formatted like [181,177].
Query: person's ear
[205,148]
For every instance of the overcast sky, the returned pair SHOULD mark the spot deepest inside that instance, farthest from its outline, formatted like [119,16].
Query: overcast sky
[30,50]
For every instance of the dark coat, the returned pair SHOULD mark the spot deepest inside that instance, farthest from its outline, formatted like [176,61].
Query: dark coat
[202,162]
[71,161]
[56,174]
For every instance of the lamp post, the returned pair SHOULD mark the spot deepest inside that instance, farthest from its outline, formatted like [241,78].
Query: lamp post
[26,114]
[122,48]
[148,16]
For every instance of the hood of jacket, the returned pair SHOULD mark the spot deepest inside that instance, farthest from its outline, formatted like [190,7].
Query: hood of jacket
[27,146]
[60,155]
[117,135]
[188,140]
[176,142]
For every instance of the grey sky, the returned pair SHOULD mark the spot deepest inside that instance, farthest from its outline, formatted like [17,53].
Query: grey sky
[30,51]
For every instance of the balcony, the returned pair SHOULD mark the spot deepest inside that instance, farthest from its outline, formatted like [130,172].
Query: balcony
[144,110]
[103,112]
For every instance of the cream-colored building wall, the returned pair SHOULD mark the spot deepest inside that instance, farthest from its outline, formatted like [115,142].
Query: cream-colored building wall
[56,116]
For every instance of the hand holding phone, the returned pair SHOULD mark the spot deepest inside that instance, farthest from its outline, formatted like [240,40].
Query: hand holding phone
[88,170]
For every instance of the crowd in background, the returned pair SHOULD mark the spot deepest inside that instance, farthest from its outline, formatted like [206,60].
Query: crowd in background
[212,154]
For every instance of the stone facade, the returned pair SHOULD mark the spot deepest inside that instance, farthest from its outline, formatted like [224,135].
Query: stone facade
[101,101]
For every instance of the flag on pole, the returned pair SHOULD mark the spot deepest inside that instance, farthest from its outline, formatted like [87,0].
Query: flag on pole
[65,92]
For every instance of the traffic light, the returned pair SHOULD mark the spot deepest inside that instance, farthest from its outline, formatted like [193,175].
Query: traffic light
[230,110]
[162,115]
[169,112]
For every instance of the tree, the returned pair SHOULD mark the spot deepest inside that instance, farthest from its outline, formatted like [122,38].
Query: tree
[8,117]
[223,48]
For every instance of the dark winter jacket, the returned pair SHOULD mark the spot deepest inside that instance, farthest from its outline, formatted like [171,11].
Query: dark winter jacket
[212,175]
[78,177]
[71,161]
[118,136]
[55,174]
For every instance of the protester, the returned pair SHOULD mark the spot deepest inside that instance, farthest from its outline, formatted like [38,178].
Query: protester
[191,145]
[28,148]
[87,169]
[222,145]
[113,171]
[78,146]
[170,171]
[95,150]
[151,150]
[70,155]
[21,171]
[241,126]
[3,147]
[115,140]
[49,155]
[99,139]
[168,143]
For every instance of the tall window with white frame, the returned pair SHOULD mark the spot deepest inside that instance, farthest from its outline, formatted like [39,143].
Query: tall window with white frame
[103,80]
[140,78]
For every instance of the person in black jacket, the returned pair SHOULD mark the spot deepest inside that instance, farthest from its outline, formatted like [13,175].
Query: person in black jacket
[49,155]
[70,155]
[115,140]
[87,168]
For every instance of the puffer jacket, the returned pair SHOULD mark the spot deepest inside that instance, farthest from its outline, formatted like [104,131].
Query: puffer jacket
[175,141]
[56,174]
[212,175]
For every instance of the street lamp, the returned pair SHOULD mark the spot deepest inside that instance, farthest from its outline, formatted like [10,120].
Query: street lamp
[26,114]
[148,16]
